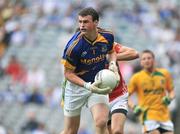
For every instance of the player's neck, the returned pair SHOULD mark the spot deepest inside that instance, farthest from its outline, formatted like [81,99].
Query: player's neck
[149,70]
[91,35]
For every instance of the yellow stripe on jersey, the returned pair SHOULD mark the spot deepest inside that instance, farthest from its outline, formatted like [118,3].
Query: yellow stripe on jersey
[75,42]
[67,64]
[87,40]
[63,61]
[82,72]
[104,31]
[71,47]
[101,39]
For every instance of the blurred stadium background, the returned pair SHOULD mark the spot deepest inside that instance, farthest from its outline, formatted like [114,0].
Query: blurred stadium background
[33,34]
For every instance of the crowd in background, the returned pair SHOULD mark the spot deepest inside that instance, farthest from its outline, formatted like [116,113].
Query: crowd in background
[156,20]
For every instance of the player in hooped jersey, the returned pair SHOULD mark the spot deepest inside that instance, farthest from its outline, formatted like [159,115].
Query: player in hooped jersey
[118,98]
[155,91]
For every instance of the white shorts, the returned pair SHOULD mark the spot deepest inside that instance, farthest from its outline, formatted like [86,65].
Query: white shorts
[150,125]
[119,105]
[75,97]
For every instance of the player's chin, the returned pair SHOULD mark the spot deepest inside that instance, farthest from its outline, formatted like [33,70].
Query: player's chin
[83,31]
[147,67]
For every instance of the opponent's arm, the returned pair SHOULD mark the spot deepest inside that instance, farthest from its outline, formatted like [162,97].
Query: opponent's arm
[125,53]
[130,102]
[170,89]
[171,94]
[112,57]
[137,110]
[113,66]
[132,88]
[167,99]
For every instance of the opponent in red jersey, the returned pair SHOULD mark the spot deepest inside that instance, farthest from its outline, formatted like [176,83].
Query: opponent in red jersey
[119,96]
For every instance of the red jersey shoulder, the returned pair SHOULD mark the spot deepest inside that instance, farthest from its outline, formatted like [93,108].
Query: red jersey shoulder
[117,47]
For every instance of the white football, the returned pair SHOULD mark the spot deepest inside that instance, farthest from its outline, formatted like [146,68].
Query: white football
[107,78]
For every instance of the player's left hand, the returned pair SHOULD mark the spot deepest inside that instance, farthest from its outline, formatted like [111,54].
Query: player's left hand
[95,89]
[166,100]
[100,90]
[113,67]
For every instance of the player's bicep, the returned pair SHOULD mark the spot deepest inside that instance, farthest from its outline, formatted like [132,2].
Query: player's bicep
[124,49]
[118,48]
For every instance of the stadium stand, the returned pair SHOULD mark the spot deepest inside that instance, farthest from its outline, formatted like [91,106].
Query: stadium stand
[36,32]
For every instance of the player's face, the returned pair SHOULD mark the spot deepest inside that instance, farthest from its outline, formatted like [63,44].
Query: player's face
[147,61]
[86,24]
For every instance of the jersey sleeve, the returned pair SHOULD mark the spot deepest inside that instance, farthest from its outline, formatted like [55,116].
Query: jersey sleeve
[117,47]
[132,86]
[70,55]
[111,43]
[169,80]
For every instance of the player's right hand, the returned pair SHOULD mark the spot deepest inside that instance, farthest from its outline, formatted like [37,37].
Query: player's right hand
[95,89]
[137,110]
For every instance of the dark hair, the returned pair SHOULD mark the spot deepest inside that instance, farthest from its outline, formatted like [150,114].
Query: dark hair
[148,51]
[89,11]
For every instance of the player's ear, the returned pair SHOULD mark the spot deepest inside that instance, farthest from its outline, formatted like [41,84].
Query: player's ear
[96,22]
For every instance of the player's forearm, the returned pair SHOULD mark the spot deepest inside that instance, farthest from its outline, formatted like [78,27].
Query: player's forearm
[172,94]
[130,54]
[130,103]
[72,77]
[112,56]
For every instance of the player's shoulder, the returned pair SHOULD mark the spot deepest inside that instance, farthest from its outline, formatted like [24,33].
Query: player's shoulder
[105,31]
[163,71]
[137,75]
[75,38]
[74,43]
[107,35]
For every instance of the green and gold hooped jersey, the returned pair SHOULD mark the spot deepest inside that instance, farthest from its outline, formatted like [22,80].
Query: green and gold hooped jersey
[150,89]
